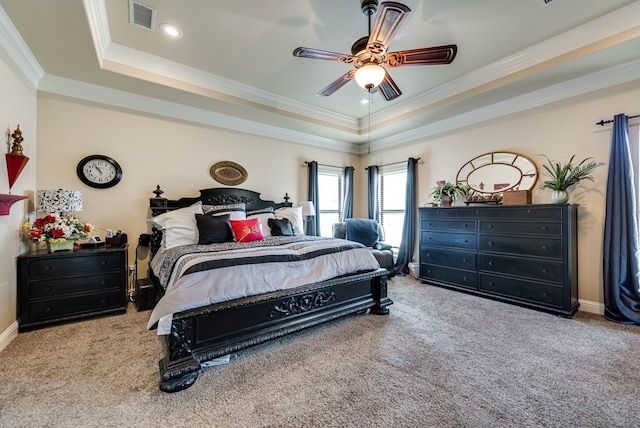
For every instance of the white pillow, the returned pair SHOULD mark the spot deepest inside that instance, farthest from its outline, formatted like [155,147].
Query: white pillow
[263,218]
[294,215]
[179,227]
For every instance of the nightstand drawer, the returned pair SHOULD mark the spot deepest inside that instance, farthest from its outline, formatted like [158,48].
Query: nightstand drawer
[58,287]
[57,267]
[43,310]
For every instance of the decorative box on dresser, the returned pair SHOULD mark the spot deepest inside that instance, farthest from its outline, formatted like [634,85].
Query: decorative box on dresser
[71,285]
[524,254]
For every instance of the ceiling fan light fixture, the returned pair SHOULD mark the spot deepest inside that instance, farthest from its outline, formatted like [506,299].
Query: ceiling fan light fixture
[369,75]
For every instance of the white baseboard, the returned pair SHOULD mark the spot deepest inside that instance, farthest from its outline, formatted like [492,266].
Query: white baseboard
[8,335]
[591,307]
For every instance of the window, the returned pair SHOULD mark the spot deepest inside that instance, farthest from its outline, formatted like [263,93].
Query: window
[392,188]
[329,198]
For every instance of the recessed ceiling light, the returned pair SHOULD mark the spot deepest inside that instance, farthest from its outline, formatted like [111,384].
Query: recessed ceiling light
[364,101]
[171,30]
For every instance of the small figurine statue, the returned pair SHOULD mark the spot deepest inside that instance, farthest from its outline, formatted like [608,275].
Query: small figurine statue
[16,147]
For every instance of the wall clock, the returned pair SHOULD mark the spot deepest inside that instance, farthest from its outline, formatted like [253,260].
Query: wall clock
[99,172]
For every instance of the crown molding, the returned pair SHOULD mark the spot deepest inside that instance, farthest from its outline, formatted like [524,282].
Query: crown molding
[614,28]
[18,51]
[114,97]
[592,82]
[96,11]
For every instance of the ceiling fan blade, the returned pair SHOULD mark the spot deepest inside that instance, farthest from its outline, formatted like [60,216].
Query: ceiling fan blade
[388,88]
[320,54]
[336,84]
[425,56]
[388,19]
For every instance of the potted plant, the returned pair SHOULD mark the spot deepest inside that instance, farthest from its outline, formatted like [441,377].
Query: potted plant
[561,177]
[444,195]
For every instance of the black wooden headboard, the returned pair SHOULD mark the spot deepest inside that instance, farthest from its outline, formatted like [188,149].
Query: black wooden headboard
[215,196]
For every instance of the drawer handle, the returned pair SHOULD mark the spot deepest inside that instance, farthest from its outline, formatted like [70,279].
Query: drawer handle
[47,267]
[545,294]
[490,243]
[466,241]
[49,288]
[428,270]
[103,300]
[545,228]
[490,263]
[465,260]
[490,282]
[103,262]
[545,271]
[466,225]
[103,282]
[490,226]
[48,309]
[544,247]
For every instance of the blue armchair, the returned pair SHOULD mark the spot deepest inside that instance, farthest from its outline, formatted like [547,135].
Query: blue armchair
[370,234]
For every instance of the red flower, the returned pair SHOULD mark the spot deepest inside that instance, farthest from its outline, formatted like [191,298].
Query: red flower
[57,233]
[35,233]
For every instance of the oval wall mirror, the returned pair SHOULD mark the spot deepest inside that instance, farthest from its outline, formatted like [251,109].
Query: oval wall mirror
[498,172]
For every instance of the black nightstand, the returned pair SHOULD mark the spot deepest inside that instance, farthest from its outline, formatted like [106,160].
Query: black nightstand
[71,285]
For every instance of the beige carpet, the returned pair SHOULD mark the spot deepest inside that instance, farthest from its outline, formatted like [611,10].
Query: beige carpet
[440,359]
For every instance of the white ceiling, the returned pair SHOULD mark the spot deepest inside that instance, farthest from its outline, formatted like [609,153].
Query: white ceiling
[234,65]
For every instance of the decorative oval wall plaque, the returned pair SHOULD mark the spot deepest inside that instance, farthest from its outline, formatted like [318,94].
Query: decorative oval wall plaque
[228,173]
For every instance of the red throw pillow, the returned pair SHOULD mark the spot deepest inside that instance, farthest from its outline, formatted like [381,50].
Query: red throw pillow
[247,230]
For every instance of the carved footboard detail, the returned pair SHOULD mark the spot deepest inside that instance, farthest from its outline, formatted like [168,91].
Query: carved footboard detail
[204,334]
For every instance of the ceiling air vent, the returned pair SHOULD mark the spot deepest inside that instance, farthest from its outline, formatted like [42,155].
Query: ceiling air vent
[142,15]
[545,2]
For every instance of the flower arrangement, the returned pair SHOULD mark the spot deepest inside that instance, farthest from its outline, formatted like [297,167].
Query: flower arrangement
[52,228]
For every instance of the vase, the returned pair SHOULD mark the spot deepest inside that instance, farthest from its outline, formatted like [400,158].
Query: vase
[559,197]
[65,245]
[447,200]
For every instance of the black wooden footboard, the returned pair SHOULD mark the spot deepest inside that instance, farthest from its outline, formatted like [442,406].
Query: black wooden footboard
[207,333]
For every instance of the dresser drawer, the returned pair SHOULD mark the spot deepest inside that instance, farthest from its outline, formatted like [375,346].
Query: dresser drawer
[543,247]
[454,225]
[443,239]
[446,257]
[535,213]
[464,278]
[543,270]
[547,295]
[521,227]
[48,309]
[57,267]
[79,284]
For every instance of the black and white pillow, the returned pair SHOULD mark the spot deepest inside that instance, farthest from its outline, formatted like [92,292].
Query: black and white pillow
[235,211]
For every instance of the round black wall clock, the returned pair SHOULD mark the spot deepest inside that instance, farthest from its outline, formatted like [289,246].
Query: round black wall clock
[99,172]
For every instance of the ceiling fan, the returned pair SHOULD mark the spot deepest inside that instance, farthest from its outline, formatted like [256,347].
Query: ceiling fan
[369,54]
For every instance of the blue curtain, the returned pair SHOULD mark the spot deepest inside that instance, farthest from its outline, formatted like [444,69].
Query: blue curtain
[313,225]
[347,204]
[621,257]
[372,178]
[405,253]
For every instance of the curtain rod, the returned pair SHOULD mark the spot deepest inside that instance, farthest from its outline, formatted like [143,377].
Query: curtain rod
[306,163]
[393,163]
[604,122]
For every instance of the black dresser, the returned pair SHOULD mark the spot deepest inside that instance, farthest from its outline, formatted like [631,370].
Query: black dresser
[524,254]
[70,285]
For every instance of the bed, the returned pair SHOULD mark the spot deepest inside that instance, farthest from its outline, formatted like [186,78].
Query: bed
[198,328]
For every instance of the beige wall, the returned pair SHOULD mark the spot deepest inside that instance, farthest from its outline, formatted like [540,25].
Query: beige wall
[151,150]
[559,131]
[17,107]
